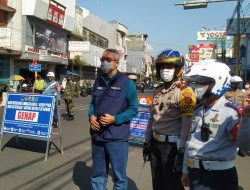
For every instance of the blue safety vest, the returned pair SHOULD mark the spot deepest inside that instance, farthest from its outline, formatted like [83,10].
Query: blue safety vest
[111,99]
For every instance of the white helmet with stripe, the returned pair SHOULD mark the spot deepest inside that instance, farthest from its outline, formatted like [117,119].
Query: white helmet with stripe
[217,75]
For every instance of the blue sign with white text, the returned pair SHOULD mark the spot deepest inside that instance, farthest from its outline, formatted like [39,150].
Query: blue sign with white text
[28,114]
[138,124]
[35,67]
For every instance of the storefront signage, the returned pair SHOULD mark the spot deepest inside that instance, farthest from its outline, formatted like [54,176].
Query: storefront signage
[31,49]
[79,46]
[56,14]
[60,55]
[28,115]
[35,67]
[209,35]
[50,39]
[200,52]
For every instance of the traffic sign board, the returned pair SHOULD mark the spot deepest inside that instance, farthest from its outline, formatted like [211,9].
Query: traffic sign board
[35,67]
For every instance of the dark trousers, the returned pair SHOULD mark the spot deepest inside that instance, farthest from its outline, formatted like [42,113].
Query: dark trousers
[201,179]
[162,162]
[38,91]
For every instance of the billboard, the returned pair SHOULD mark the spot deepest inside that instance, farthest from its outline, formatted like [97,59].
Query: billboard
[50,39]
[200,52]
[212,35]
[79,46]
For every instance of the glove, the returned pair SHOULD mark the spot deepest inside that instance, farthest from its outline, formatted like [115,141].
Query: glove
[146,152]
[179,160]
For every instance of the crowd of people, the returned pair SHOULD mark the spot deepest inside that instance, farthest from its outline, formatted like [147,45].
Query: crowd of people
[198,121]
[193,131]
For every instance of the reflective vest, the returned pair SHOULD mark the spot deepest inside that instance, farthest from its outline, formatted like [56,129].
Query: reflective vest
[39,84]
[111,99]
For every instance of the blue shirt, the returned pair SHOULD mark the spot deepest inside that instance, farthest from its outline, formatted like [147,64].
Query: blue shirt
[221,146]
[130,94]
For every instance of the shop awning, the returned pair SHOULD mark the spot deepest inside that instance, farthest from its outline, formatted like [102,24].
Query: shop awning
[7,9]
[44,58]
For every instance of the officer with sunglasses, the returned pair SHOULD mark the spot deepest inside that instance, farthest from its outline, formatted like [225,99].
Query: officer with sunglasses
[113,104]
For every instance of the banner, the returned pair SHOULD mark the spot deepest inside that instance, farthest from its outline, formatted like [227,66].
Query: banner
[28,115]
[139,123]
[49,39]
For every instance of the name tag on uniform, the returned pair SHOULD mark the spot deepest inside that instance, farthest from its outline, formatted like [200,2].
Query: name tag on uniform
[115,88]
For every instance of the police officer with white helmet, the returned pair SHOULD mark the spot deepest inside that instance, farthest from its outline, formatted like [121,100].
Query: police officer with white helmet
[52,88]
[212,146]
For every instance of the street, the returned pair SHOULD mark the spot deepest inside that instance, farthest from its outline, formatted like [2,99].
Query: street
[23,167]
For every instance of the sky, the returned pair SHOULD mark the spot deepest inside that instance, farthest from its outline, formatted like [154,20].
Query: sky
[167,25]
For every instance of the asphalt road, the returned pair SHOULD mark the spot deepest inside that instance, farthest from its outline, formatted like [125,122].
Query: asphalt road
[23,167]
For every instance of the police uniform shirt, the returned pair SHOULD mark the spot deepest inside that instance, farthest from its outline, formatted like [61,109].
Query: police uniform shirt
[223,123]
[172,111]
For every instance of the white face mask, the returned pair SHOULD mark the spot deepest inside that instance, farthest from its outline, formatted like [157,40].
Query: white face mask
[167,75]
[106,67]
[199,90]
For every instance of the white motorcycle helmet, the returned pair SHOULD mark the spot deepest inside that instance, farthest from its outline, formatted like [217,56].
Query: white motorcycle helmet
[236,78]
[50,74]
[235,82]
[214,74]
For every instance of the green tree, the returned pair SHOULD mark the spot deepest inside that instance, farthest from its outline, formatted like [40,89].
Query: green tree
[79,60]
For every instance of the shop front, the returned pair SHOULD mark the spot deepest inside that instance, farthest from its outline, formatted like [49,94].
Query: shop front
[45,46]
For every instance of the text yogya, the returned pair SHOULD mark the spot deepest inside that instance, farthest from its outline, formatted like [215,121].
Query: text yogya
[216,34]
[26,116]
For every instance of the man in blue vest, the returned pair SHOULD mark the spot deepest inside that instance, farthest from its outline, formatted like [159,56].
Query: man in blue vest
[113,104]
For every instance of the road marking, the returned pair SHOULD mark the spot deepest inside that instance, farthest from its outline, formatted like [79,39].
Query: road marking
[78,107]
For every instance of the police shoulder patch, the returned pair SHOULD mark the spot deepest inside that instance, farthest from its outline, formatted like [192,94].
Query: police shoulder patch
[187,101]
[235,106]
[182,85]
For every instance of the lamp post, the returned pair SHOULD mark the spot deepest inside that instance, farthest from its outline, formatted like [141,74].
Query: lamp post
[195,4]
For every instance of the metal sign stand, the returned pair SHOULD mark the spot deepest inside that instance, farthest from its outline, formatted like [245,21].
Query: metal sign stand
[49,140]
[59,133]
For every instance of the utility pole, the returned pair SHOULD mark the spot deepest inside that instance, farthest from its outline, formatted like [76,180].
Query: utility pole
[238,39]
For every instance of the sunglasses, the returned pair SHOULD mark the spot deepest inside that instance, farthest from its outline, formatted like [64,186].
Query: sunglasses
[108,59]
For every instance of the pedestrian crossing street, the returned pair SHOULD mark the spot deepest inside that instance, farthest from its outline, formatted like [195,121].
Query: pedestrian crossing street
[76,107]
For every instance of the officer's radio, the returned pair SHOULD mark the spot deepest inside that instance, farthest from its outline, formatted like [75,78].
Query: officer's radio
[205,132]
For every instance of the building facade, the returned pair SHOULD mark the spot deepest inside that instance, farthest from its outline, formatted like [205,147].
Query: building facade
[10,46]
[139,57]
[244,65]
[37,31]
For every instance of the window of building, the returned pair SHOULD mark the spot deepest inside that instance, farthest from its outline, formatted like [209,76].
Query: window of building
[3,19]
[94,38]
